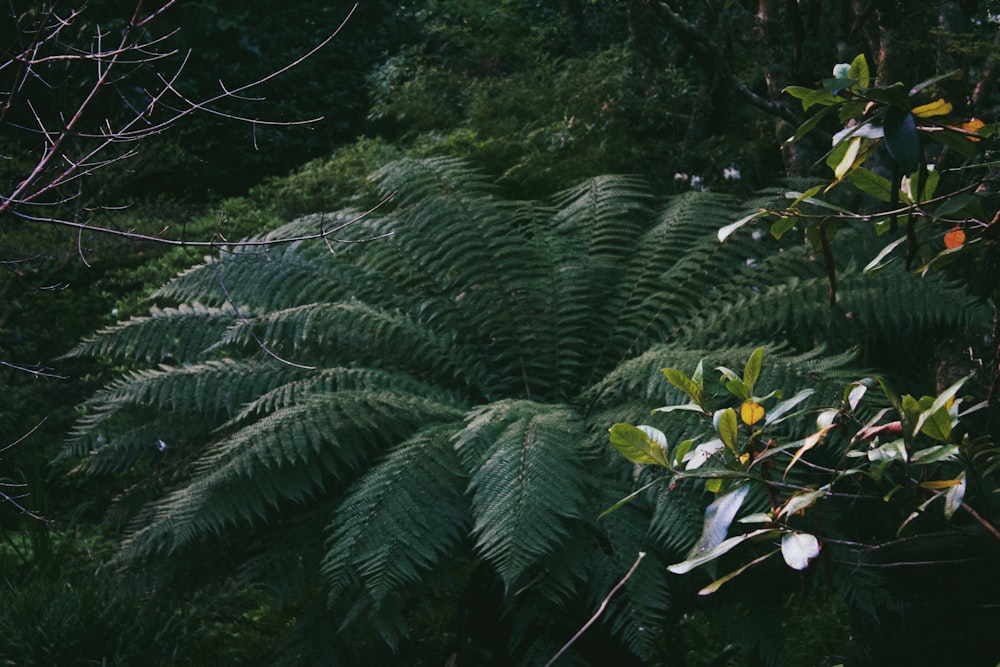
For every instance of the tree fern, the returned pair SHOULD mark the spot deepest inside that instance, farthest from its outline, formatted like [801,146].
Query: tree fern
[444,416]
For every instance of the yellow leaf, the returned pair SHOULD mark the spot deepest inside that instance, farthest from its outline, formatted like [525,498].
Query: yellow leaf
[751,412]
[938,107]
[940,483]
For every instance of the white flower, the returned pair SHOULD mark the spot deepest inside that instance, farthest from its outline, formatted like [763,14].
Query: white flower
[840,70]
[680,176]
[731,173]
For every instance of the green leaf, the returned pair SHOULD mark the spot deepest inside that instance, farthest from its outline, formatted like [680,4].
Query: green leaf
[871,183]
[960,143]
[940,402]
[640,444]
[681,451]
[878,263]
[798,92]
[629,498]
[738,388]
[752,369]
[693,388]
[934,454]
[809,125]
[806,197]
[902,139]
[782,225]
[727,427]
[820,96]
[798,549]
[891,451]
[938,426]
[687,407]
[859,70]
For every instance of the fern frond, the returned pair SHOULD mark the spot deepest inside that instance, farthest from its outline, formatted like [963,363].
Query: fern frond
[525,484]
[399,517]
[287,455]
[173,334]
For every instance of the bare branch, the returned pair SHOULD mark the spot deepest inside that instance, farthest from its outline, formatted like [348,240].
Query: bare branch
[71,151]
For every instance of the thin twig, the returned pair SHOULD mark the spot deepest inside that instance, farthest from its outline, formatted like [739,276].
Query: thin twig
[249,328]
[600,610]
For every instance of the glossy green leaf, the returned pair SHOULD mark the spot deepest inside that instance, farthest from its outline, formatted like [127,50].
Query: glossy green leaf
[859,71]
[738,388]
[727,426]
[938,426]
[692,387]
[681,451]
[959,143]
[798,92]
[807,198]
[751,371]
[640,444]
[940,402]
[822,97]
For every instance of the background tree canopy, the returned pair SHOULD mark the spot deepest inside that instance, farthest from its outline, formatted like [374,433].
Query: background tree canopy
[395,451]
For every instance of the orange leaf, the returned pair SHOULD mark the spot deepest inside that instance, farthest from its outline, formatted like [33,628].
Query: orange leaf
[954,238]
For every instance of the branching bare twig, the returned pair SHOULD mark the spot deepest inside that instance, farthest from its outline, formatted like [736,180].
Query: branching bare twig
[69,151]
